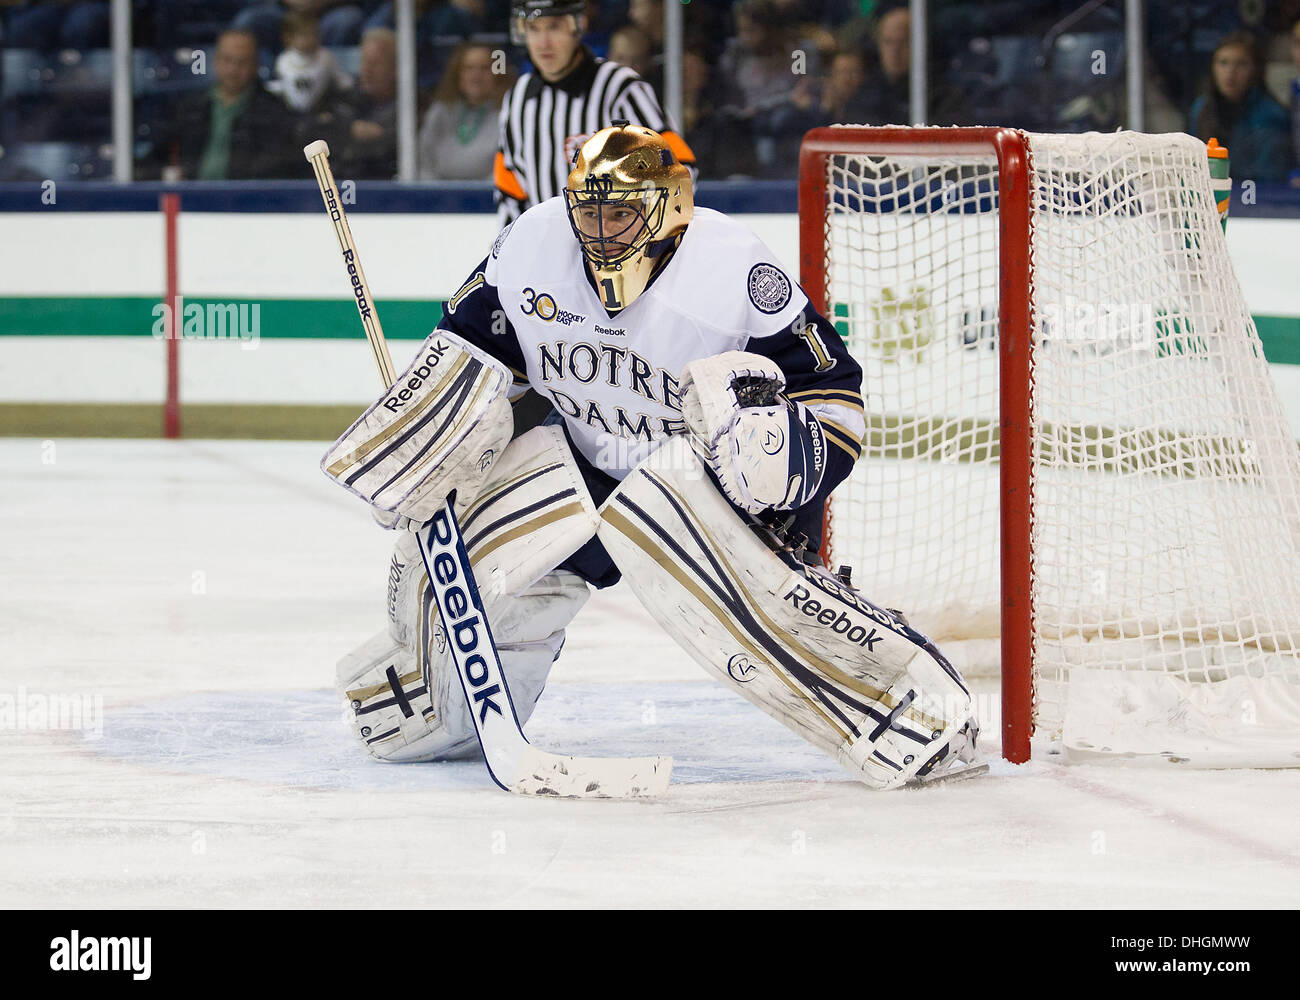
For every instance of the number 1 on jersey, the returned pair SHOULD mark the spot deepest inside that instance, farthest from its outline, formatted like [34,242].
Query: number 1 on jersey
[611,298]
[808,334]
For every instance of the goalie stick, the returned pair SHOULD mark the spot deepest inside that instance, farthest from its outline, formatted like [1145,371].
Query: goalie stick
[512,761]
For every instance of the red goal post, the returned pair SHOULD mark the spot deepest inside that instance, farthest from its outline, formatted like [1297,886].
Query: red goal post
[1015,356]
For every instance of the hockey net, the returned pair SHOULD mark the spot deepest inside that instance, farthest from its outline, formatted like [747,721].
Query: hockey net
[1076,468]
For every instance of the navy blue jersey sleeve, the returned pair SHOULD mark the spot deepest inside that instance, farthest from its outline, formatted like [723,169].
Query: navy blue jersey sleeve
[821,374]
[474,314]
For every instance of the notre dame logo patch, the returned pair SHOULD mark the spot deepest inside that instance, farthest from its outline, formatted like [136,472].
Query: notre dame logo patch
[769,288]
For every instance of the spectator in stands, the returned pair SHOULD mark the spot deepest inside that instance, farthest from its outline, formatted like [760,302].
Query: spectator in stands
[757,84]
[811,20]
[600,28]
[844,96]
[438,19]
[340,22]
[235,130]
[887,93]
[725,144]
[458,137]
[370,150]
[648,15]
[1238,111]
[1295,104]
[305,71]
[633,48]
[52,24]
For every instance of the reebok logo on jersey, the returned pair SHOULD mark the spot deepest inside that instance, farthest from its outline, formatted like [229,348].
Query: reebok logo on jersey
[418,375]
[500,241]
[865,636]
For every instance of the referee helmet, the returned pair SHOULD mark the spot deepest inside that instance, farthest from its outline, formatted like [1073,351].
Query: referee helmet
[522,11]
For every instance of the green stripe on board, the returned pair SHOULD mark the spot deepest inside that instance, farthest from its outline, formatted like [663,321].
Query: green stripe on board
[120,316]
[198,420]
[403,319]
[1280,336]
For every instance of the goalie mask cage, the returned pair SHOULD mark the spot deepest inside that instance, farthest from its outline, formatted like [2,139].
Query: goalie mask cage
[1076,469]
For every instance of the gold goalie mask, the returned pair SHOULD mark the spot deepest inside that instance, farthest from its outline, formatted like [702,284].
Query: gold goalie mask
[628,199]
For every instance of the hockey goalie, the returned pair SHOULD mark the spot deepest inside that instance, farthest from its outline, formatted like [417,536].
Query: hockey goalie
[703,413]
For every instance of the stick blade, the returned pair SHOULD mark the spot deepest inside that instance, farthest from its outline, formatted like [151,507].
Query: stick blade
[542,773]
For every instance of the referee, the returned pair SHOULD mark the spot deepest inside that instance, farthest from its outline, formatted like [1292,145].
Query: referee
[570,96]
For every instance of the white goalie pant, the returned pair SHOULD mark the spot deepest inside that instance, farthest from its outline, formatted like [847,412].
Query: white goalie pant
[532,514]
[849,677]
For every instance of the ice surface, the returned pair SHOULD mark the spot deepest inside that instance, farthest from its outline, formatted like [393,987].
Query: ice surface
[199,593]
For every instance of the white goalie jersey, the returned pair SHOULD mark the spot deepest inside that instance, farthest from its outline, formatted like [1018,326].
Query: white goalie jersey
[615,377]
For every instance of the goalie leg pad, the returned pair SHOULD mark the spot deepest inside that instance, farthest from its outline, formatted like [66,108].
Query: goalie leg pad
[533,512]
[406,577]
[529,633]
[848,676]
[408,705]
[391,703]
[531,515]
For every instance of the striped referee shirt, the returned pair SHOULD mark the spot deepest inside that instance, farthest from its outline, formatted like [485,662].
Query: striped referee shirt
[543,124]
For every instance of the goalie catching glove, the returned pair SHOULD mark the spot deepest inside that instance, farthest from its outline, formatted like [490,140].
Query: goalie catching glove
[765,451]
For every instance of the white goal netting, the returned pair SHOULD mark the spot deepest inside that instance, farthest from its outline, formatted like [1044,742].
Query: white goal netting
[1166,483]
